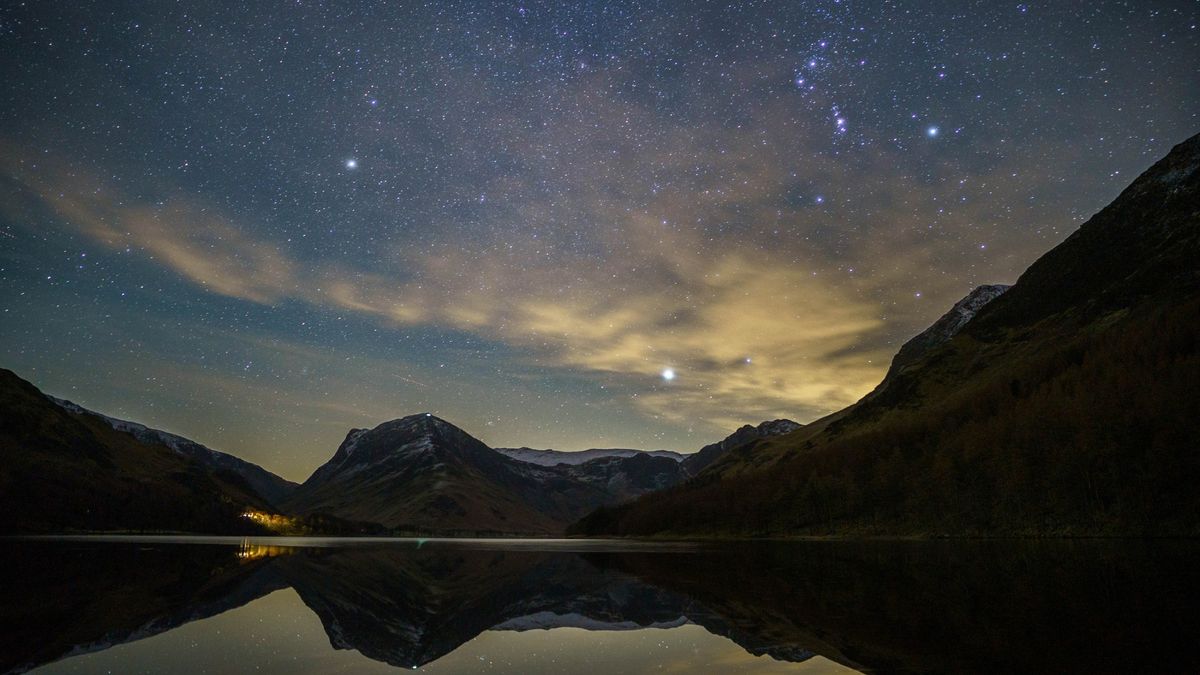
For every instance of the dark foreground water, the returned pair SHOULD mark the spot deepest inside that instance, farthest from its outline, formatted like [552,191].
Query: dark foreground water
[288,605]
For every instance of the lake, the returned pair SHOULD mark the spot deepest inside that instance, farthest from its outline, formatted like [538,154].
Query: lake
[312,605]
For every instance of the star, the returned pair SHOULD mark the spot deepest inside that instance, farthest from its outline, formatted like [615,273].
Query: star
[574,190]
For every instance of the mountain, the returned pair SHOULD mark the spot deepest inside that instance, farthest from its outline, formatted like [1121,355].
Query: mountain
[422,473]
[1065,406]
[555,457]
[70,470]
[941,331]
[75,469]
[625,477]
[747,434]
[273,488]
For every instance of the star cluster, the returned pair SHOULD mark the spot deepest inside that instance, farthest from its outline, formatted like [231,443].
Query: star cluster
[555,224]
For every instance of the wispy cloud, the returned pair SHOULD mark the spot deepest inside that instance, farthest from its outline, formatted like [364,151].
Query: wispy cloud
[707,247]
[751,336]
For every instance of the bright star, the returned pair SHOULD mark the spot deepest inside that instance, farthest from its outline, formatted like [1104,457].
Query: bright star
[352,164]
[668,374]
[931,132]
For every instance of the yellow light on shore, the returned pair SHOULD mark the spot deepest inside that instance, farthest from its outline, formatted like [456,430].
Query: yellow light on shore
[269,520]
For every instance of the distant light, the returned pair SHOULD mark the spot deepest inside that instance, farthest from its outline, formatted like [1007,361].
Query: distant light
[352,164]
[668,374]
[931,132]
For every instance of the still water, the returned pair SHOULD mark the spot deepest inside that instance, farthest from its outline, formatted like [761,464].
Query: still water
[307,605]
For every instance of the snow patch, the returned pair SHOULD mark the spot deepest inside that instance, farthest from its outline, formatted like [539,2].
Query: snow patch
[142,432]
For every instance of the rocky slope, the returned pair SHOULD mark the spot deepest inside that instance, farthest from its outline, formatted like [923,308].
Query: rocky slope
[741,438]
[940,332]
[623,478]
[555,457]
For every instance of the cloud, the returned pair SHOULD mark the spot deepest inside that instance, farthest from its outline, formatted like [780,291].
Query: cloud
[703,315]
[201,246]
[619,244]
[751,338]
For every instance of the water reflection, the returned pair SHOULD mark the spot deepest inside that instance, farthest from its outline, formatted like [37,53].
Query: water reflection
[253,550]
[884,606]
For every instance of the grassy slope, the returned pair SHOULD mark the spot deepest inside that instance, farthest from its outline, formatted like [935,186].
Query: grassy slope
[61,471]
[452,500]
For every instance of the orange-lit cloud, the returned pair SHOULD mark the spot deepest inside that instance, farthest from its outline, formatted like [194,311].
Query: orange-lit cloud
[762,305]
[750,335]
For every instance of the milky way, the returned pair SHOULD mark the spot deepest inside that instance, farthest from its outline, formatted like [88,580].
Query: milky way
[608,224]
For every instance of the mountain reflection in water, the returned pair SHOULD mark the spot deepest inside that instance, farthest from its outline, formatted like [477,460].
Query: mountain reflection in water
[871,606]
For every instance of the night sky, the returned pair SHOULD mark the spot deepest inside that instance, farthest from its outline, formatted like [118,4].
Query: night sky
[610,224]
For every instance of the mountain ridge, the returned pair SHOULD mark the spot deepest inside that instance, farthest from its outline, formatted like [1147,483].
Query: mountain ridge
[940,332]
[450,482]
[552,457]
[422,473]
[267,484]
[63,470]
[744,435]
